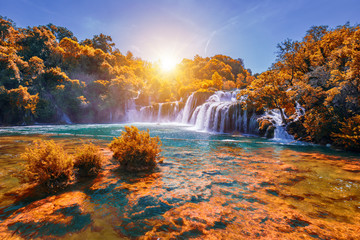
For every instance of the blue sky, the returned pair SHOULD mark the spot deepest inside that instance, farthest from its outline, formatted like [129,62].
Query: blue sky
[150,28]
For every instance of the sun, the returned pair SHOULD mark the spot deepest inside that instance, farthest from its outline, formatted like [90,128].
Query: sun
[168,63]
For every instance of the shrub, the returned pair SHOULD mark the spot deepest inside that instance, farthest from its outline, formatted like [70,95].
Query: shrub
[136,150]
[88,160]
[349,136]
[48,165]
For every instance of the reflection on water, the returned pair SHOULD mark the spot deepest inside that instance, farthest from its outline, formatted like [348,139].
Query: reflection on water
[209,186]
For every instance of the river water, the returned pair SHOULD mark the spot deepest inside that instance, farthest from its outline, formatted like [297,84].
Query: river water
[209,186]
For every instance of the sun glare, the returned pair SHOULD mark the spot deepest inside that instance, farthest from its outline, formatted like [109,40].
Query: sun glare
[168,63]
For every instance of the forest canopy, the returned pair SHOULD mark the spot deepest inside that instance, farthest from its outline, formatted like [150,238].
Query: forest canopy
[322,74]
[48,76]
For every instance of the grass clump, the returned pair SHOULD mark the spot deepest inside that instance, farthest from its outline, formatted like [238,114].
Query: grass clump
[48,165]
[88,160]
[135,150]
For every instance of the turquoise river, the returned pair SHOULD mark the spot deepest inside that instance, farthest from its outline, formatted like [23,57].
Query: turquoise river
[209,186]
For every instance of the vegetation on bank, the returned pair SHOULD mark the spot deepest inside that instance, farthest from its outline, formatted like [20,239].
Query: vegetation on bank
[88,160]
[135,150]
[322,74]
[48,165]
[48,76]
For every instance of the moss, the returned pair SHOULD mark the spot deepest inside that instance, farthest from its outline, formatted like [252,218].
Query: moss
[135,150]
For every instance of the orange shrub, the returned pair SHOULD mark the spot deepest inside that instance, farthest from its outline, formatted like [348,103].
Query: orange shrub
[48,165]
[88,160]
[135,150]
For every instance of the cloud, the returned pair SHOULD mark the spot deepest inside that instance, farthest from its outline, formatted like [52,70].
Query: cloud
[209,40]
[248,18]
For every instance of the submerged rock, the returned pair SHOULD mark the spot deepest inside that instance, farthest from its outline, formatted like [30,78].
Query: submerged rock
[60,213]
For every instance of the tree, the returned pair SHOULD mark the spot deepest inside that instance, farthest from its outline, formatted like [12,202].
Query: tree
[61,32]
[50,78]
[217,80]
[102,41]
[36,41]
[349,136]
[7,28]
[316,33]
[269,91]
[289,62]
[22,104]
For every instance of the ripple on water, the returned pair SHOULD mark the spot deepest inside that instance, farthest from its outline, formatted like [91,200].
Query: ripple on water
[205,188]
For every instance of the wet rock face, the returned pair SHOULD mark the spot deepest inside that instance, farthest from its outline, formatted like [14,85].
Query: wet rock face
[160,112]
[266,127]
[270,131]
[297,129]
[199,99]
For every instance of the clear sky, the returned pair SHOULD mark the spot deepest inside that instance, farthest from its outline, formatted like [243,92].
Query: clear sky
[247,29]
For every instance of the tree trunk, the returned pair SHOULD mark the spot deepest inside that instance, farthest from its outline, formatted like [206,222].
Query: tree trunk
[282,115]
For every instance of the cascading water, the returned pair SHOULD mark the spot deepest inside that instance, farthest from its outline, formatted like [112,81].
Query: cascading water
[189,108]
[222,113]
[218,112]
[65,118]
[159,112]
[299,110]
[131,112]
[280,132]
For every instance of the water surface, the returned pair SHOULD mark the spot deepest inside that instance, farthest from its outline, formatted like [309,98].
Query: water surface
[209,186]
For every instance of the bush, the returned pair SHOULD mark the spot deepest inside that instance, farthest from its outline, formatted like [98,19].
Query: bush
[136,150]
[88,160]
[349,136]
[48,165]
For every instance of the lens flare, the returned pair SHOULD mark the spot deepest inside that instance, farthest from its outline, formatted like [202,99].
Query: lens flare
[168,63]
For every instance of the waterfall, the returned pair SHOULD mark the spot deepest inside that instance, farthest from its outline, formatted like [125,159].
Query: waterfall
[160,112]
[130,108]
[188,108]
[280,130]
[299,111]
[65,118]
[216,112]
[221,113]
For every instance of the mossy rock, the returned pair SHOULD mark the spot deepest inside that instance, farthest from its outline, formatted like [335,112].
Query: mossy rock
[270,131]
[266,128]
